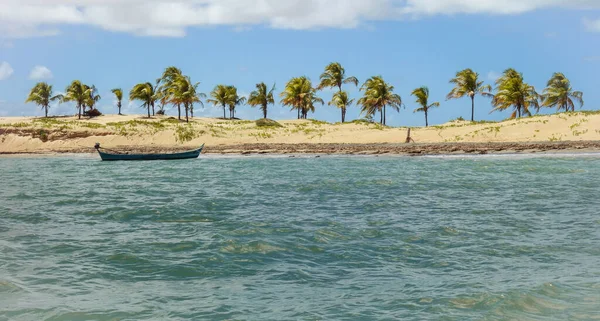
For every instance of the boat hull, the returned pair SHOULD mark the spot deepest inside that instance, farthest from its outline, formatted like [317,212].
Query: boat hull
[147,157]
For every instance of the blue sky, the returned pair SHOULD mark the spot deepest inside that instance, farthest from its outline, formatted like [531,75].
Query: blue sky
[237,42]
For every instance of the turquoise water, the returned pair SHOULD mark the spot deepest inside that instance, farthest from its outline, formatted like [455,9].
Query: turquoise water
[330,238]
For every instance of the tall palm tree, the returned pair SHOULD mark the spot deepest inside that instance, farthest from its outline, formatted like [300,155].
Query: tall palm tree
[167,86]
[300,95]
[422,95]
[234,100]
[340,100]
[513,91]
[333,77]
[41,94]
[467,83]
[220,96]
[186,94]
[78,93]
[119,95]
[559,93]
[145,93]
[377,96]
[262,97]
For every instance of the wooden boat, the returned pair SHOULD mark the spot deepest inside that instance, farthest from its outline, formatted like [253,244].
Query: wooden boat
[116,156]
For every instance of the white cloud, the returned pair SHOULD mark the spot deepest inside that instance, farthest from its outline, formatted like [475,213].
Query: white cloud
[40,72]
[28,18]
[493,76]
[592,25]
[5,70]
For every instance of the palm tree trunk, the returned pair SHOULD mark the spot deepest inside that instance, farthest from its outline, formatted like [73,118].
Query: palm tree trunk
[426,122]
[384,120]
[46,111]
[472,108]
[179,111]
[148,105]
[298,113]
[187,120]
[381,116]
[79,107]
[265,111]
[342,114]
[153,109]
[224,116]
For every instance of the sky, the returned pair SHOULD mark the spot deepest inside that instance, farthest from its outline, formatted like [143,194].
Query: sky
[410,43]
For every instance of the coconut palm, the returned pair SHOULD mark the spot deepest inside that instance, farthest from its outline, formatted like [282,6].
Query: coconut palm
[167,86]
[340,100]
[559,93]
[513,91]
[79,93]
[467,83]
[300,95]
[146,94]
[92,98]
[186,94]
[41,94]
[377,96]
[119,95]
[220,96]
[262,97]
[333,77]
[422,95]
[234,100]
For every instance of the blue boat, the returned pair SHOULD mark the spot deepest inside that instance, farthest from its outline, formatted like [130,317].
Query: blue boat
[116,156]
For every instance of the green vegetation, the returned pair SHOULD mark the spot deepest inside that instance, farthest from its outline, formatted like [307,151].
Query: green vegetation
[333,77]
[119,95]
[265,122]
[513,91]
[467,83]
[422,95]
[300,95]
[262,97]
[559,93]
[41,95]
[377,96]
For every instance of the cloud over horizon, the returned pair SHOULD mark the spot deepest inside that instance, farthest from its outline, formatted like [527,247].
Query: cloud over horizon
[34,18]
[40,72]
[5,70]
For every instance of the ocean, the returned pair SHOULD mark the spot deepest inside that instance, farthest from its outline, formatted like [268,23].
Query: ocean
[301,238]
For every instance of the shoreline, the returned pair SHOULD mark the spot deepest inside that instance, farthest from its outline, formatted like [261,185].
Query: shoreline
[423,149]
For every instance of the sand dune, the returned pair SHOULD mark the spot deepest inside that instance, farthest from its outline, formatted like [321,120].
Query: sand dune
[67,134]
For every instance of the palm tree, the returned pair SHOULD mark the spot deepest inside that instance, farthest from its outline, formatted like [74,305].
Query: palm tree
[300,95]
[513,91]
[186,93]
[220,96]
[146,93]
[41,94]
[377,96]
[167,86]
[559,93]
[422,95]
[340,100]
[333,77]
[119,95]
[93,97]
[234,100]
[262,97]
[467,83]
[79,93]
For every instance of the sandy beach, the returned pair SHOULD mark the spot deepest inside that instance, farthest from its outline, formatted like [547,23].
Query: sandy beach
[575,131]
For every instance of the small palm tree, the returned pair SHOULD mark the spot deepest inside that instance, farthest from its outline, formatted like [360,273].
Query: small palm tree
[41,95]
[340,100]
[300,95]
[262,97]
[234,100]
[559,93]
[93,97]
[467,83]
[119,95]
[186,93]
[513,91]
[377,96]
[220,96]
[422,95]
[145,93]
[79,93]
